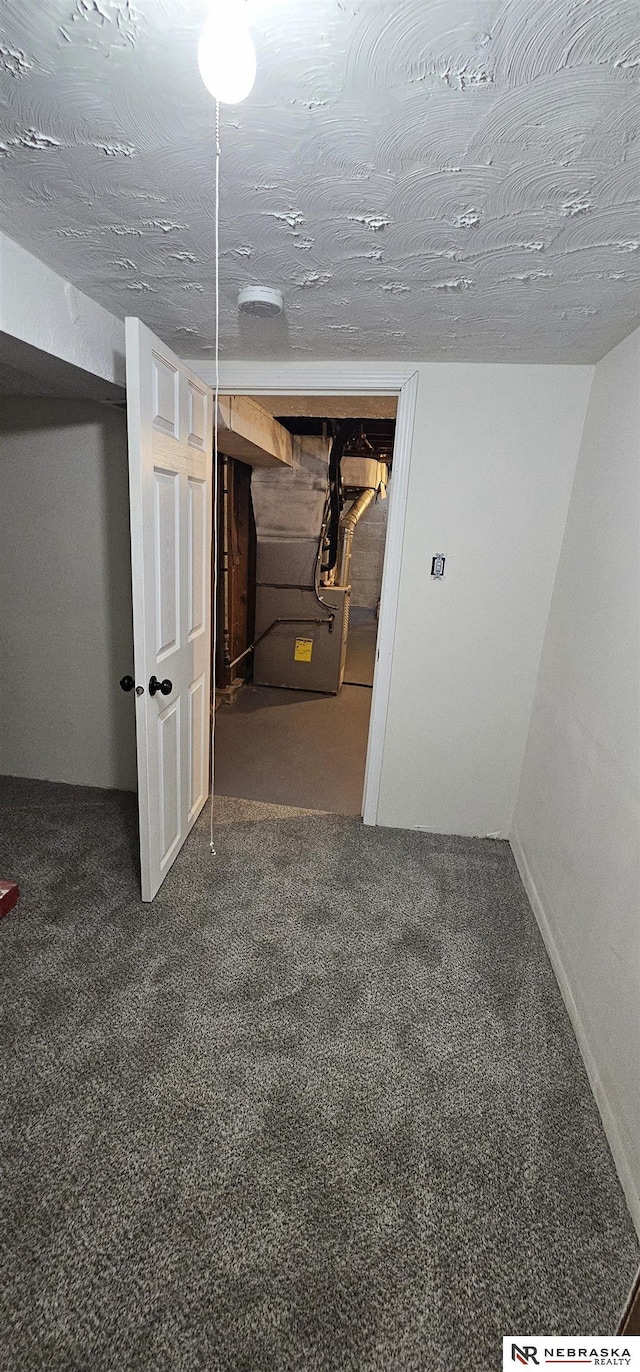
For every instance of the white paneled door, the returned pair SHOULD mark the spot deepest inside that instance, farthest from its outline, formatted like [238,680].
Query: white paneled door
[170,420]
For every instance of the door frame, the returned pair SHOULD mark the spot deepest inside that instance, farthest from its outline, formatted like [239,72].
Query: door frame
[338,378]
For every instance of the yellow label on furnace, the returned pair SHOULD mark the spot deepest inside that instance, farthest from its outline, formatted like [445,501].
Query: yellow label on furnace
[303,650]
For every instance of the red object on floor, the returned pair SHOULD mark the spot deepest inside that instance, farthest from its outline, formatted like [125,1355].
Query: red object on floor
[9,893]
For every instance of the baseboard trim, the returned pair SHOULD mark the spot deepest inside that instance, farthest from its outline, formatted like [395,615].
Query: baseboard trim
[614,1138]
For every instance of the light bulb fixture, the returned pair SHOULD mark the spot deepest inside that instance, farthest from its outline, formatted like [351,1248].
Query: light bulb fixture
[226,55]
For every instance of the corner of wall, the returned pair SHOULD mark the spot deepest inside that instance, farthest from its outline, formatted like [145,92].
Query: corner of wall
[574,829]
[545,922]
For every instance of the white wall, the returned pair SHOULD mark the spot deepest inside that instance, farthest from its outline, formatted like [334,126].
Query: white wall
[494,453]
[42,309]
[65,591]
[577,823]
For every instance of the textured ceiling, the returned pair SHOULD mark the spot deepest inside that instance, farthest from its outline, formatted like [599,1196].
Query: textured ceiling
[455,179]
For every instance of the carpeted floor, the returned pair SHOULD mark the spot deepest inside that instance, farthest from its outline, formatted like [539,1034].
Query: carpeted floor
[317,1109]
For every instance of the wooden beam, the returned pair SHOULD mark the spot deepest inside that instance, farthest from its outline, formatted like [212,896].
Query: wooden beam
[247,431]
[331,406]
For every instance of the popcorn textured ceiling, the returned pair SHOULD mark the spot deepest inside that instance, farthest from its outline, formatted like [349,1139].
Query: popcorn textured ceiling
[454,179]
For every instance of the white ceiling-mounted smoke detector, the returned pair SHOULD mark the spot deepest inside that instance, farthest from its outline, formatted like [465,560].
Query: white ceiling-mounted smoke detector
[263,302]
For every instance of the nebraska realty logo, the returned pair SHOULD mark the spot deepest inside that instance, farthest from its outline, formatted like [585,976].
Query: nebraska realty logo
[581,1350]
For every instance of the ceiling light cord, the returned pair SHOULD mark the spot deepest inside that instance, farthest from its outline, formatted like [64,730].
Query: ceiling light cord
[216,394]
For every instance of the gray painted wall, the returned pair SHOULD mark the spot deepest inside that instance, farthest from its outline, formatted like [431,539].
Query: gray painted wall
[65,591]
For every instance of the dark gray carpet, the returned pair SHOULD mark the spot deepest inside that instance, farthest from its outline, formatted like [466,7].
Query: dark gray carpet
[319,1107]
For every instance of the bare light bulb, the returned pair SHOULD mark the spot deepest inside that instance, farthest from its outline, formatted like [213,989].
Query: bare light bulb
[226,55]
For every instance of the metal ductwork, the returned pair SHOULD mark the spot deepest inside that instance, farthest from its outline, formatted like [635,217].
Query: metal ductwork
[304,546]
[348,525]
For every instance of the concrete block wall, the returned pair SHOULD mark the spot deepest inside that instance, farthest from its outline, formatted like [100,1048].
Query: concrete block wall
[368,555]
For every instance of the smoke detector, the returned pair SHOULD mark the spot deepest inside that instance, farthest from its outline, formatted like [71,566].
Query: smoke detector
[263,302]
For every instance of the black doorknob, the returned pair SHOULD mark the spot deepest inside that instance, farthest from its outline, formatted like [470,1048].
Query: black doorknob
[127,683]
[164,687]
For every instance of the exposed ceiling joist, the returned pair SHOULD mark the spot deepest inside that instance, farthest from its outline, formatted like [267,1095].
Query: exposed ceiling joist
[248,432]
[331,406]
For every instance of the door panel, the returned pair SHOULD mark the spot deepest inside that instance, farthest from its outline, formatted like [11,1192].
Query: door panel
[165,395]
[197,557]
[197,729]
[170,421]
[167,547]
[169,741]
[197,415]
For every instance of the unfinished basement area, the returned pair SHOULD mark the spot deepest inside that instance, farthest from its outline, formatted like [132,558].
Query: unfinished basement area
[299,583]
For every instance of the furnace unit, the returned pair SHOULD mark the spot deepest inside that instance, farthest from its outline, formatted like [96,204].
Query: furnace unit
[304,540]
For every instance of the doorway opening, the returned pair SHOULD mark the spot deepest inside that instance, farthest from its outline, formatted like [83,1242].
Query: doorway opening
[300,554]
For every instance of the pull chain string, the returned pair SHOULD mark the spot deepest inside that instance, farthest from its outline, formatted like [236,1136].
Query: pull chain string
[214,608]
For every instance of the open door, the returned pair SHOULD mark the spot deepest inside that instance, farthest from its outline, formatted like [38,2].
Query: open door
[170,423]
